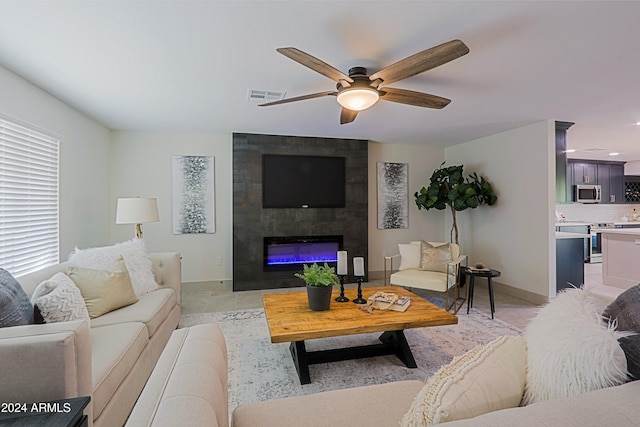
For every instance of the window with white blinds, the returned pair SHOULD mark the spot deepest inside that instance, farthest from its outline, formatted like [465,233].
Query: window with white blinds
[28,198]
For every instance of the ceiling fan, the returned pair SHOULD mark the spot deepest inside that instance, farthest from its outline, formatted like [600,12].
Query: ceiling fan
[359,91]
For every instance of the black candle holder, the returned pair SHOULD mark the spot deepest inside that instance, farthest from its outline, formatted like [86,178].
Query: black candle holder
[342,298]
[359,300]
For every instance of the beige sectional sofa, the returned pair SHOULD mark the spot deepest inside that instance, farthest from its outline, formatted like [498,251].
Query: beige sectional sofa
[384,405]
[109,358]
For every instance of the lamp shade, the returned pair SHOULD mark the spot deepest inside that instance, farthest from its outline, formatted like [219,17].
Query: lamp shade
[136,210]
[357,98]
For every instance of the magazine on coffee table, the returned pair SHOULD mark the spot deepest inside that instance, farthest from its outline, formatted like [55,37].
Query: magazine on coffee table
[381,303]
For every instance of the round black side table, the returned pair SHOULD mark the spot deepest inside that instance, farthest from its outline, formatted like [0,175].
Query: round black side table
[473,273]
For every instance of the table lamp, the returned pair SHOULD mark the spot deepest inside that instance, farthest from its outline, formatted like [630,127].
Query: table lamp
[137,210]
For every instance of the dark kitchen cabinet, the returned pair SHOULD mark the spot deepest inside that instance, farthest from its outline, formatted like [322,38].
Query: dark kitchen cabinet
[611,179]
[584,173]
[609,175]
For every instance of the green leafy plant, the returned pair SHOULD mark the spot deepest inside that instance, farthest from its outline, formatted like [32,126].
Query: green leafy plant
[449,188]
[316,275]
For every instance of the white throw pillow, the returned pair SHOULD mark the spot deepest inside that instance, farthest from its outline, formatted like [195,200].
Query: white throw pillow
[135,256]
[487,378]
[409,256]
[49,285]
[572,349]
[59,300]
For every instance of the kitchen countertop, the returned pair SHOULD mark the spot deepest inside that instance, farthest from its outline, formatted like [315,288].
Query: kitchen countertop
[572,223]
[567,235]
[630,231]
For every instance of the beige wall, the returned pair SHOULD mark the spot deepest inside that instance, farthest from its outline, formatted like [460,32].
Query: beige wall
[84,160]
[142,168]
[422,224]
[516,236]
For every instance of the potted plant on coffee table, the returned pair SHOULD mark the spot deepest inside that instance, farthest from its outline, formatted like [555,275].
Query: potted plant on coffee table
[320,281]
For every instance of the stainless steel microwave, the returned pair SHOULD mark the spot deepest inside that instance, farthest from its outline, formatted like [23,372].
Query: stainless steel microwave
[588,193]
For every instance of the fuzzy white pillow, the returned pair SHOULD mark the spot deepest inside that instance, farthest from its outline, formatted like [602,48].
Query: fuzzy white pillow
[571,349]
[135,257]
[487,378]
[59,300]
[409,256]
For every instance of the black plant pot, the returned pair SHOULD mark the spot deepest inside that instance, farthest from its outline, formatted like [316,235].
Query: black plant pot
[319,297]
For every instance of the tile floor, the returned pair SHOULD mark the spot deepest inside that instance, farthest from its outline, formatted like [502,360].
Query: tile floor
[218,296]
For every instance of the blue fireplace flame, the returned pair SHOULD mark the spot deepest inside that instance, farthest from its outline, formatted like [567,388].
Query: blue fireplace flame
[299,253]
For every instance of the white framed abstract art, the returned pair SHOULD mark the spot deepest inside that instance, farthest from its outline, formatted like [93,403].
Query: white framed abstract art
[193,195]
[393,200]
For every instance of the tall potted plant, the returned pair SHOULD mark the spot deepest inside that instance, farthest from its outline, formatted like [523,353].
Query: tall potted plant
[319,280]
[448,188]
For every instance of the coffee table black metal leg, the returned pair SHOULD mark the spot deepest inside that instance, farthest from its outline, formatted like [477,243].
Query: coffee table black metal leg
[493,306]
[398,342]
[470,298]
[300,360]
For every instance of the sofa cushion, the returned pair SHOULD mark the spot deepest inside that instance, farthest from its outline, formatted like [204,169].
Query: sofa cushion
[374,405]
[432,280]
[613,406]
[151,309]
[104,290]
[189,382]
[409,256]
[15,307]
[59,300]
[571,349]
[135,257]
[115,349]
[487,378]
[434,257]
[625,311]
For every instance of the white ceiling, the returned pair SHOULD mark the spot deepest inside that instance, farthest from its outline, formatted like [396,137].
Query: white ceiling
[186,66]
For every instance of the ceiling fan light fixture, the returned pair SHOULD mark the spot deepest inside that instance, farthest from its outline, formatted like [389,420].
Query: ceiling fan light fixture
[357,98]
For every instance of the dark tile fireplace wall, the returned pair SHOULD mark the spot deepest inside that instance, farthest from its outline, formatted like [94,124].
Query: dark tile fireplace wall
[251,223]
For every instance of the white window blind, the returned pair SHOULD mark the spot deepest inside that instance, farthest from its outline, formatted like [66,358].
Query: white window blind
[28,198]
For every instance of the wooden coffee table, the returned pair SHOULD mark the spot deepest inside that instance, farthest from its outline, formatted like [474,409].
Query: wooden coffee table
[290,320]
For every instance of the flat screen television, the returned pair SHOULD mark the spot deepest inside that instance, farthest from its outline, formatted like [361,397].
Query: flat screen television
[303,181]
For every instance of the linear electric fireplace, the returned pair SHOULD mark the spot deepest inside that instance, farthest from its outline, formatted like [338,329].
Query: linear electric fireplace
[291,252]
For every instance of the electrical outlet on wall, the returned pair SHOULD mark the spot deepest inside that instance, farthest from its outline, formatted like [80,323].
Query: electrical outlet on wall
[218,260]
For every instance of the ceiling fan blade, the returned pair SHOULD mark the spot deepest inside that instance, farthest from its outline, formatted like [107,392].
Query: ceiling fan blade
[314,63]
[347,116]
[300,98]
[410,97]
[421,62]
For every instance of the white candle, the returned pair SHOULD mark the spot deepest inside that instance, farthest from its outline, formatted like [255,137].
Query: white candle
[342,263]
[358,266]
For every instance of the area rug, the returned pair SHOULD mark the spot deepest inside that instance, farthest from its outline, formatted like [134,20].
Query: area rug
[260,370]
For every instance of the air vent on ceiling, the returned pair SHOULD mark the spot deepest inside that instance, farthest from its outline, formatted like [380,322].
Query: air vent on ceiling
[262,96]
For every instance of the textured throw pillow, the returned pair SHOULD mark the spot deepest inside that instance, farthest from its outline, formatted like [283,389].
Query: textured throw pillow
[135,256]
[15,307]
[59,300]
[487,378]
[409,256]
[49,285]
[625,311]
[104,290]
[572,349]
[434,258]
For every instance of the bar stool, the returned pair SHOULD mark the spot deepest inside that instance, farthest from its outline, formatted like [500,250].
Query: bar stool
[473,273]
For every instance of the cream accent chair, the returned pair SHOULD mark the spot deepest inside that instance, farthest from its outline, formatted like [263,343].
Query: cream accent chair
[408,273]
